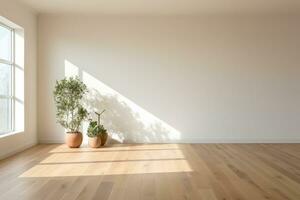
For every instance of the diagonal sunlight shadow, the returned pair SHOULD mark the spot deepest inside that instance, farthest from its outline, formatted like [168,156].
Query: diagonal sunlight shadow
[125,120]
[111,163]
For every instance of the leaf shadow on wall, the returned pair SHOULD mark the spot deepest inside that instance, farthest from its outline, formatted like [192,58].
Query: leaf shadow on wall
[125,121]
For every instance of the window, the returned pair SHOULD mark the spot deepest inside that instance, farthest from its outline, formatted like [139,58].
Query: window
[11,79]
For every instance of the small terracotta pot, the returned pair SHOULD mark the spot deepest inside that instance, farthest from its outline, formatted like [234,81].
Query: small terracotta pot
[104,137]
[95,142]
[73,139]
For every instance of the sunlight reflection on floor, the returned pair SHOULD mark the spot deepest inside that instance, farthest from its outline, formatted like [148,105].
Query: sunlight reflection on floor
[117,147]
[112,156]
[115,160]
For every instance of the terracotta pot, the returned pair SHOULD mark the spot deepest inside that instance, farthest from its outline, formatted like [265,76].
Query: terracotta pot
[95,142]
[104,137]
[73,139]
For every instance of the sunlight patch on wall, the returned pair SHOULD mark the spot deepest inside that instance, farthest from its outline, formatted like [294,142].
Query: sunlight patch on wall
[71,70]
[126,118]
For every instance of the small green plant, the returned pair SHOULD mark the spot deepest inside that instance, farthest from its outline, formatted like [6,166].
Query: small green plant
[68,96]
[95,128]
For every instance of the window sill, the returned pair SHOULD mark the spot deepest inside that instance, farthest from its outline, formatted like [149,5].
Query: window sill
[10,134]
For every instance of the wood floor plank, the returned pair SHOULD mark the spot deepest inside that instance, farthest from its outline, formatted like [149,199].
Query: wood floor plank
[153,171]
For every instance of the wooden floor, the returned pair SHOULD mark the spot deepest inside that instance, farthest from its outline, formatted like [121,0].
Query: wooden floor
[156,171]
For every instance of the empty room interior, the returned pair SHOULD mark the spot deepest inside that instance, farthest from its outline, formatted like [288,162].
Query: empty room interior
[142,100]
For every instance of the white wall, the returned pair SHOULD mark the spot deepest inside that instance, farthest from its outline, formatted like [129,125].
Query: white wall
[27,19]
[184,79]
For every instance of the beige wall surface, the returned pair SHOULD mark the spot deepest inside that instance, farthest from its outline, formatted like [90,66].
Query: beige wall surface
[177,79]
[27,19]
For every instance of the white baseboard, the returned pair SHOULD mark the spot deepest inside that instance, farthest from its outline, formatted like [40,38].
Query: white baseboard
[17,150]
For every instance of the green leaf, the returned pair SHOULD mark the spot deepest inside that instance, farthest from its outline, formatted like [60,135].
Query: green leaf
[68,94]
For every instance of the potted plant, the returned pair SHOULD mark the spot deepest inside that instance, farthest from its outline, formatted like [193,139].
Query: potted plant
[70,112]
[97,133]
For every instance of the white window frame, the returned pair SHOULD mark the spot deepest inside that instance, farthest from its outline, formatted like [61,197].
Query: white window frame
[13,65]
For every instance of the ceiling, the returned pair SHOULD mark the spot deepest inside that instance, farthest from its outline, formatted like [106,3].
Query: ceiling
[164,7]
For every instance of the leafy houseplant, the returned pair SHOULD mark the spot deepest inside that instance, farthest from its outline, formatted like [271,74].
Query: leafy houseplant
[96,132]
[70,112]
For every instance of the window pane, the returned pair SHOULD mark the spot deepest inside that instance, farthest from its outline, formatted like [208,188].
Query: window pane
[5,115]
[5,43]
[5,79]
